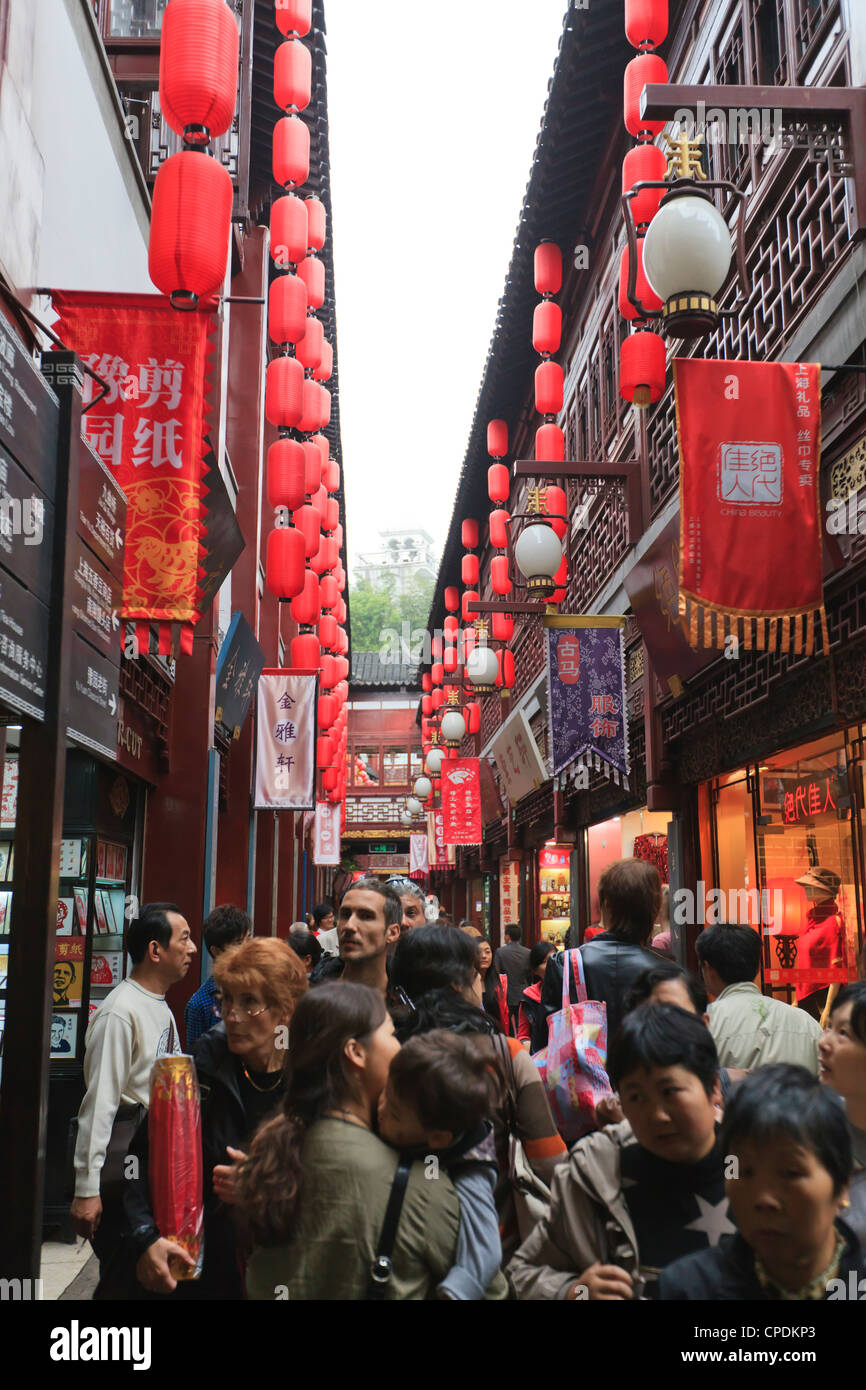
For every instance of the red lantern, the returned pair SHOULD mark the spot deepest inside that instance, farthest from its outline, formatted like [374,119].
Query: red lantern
[332,515]
[451,627]
[469,533]
[326,556]
[437,670]
[324,406]
[287,309]
[436,647]
[284,392]
[498,482]
[293,75]
[304,651]
[330,780]
[309,522]
[312,467]
[470,642]
[329,594]
[291,153]
[331,473]
[325,369]
[548,268]
[642,368]
[294,16]
[548,388]
[317,220]
[472,713]
[190,227]
[497,440]
[198,67]
[644,164]
[426,705]
[284,562]
[286,474]
[288,230]
[312,272]
[469,569]
[505,678]
[305,607]
[426,681]
[547,327]
[556,505]
[449,660]
[327,710]
[499,576]
[469,596]
[438,698]
[560,579]
[311,412]
[499,529]
[503,627]
[643,291]
[309,351]
[549,444]
[330,672]
[452,598]
[325,749]
[646,22]
[645,68]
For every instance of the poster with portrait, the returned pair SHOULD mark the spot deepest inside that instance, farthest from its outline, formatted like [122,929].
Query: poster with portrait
[64,1035]
[106,968]
[68,973]
[65,916]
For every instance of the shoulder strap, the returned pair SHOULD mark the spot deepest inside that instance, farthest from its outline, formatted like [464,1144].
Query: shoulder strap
[579,979]
[380,1270]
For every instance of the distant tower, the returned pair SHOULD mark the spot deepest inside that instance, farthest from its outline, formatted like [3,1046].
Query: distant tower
[404,555]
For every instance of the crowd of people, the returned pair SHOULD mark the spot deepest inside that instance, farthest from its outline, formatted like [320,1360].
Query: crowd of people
[377,1123]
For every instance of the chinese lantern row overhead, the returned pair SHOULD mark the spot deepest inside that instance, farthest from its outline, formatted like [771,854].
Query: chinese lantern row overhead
[190,228]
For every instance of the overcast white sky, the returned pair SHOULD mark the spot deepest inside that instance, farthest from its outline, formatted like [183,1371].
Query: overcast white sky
[434,112]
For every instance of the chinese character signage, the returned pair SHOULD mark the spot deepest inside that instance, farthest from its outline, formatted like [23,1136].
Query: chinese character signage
[286,744]
[750,542]
[239,665]
[419,863]
[149,431]
[509,893]
[326,843]
[586,693]
[461,801]
[441,854]
[652,585]
[518,758]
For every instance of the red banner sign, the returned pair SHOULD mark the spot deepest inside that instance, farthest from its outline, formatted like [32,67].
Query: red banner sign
[461,801]
[750,542]
[149,430]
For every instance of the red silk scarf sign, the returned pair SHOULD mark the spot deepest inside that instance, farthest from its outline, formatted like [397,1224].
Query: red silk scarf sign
[461,801]
[750,521]
[149,430]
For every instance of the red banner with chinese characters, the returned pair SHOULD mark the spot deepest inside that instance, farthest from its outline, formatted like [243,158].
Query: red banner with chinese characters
[149,430]
[461,801]
[750,540]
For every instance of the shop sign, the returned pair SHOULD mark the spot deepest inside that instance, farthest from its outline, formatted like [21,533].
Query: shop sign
[419,862]
[509,892]
[586,693]
[101,511]
[461,801]
[239,665]
[518,758]
[135,741]
[26,529]
[399,863]
[442,854]
[94,699]
[652,585]
[286,741]
[555,858]
[93,601]
[810,798]
[29,413]
[23,648]
[326,844]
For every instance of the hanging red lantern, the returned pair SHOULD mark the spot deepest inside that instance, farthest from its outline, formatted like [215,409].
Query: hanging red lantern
[503,627]
[330,674]
[549,444]
[548,268]
[312,272]
[198,68]
[312,466]
[324,405]
[293,75]
[548,388]
[327,710]
[497,440]
[642,70]
[644,164]
[437,670]
[330,596]
[288,230]
[646,22]
[325,369]
[332,515]
[449,660]
[472,715]
[286,474]
[331,473]
[470,641]
[325,557]
[498,482]
[325,751]
[499,575]
[287,309]
[330,780]
[305,608]
[284,562]
[426,681]
[309,523]
[451,627]
[556,505]
[438,697]
[338,537]
[317,221]
[305,653]
[452,598]
[469,596]
[642,368]
[469,533]
[560,579]
[436,648]
[499,529]
[343,643]
[291,152]
[309,352]
[469,569]
[284,392]
[294,16]
[190,227]
[311,411]
[426,705]
[505,679]
[547,327]
[643,290]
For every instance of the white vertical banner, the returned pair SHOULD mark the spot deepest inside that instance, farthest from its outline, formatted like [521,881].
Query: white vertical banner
[326,848]
[286,740]
[418,859]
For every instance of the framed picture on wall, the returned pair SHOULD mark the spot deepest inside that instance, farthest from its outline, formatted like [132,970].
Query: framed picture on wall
[64,1034]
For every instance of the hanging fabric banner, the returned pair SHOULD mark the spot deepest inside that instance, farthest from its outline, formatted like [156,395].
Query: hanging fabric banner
[750,545]
[518,758]
[441,855]
[326,849]
[586,694]
[419,864]
[461,801]
[286,741]
[149,430]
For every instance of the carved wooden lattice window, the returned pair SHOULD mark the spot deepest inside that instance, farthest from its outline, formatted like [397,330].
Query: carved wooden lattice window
[609,382]
[663,453]
[769,43]
[730,70]
[811,19]
[602,545]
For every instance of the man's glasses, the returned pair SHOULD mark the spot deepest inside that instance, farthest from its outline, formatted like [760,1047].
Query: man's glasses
[224,1007]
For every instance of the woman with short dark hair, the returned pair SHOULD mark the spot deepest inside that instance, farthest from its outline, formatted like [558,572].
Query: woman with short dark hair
[842,1066]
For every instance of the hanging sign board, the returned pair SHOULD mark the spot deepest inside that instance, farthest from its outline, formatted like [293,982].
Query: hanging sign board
[286,740]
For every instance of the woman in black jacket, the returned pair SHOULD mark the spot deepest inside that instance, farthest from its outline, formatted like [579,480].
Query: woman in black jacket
[239,1064]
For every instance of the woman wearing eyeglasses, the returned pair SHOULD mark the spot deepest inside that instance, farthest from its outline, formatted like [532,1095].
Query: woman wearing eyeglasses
[240,1067]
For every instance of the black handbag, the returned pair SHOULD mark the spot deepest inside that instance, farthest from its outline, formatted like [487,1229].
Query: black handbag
[380,1270]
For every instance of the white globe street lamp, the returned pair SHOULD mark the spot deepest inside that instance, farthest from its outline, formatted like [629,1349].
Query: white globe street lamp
[414,807]
[686,257]
[538,554]
[423,787]
[482,667]
[433,762]
[453,728]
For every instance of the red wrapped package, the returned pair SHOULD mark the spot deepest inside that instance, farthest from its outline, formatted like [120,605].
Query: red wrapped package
[174,1136]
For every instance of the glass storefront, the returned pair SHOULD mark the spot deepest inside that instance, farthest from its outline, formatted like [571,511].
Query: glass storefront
[554,892]
[640,834]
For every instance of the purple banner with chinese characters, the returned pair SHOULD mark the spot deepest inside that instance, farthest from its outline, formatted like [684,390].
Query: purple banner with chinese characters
[586,693]
[286,742]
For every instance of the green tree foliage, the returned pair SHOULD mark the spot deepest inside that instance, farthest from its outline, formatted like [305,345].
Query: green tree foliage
[378,611]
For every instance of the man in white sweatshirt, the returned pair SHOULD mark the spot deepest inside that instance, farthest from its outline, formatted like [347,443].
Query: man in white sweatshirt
[131,1028]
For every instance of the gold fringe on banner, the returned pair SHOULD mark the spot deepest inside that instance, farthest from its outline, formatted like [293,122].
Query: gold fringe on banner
[810,634]
[784,632]
[761,624]
[747,634]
